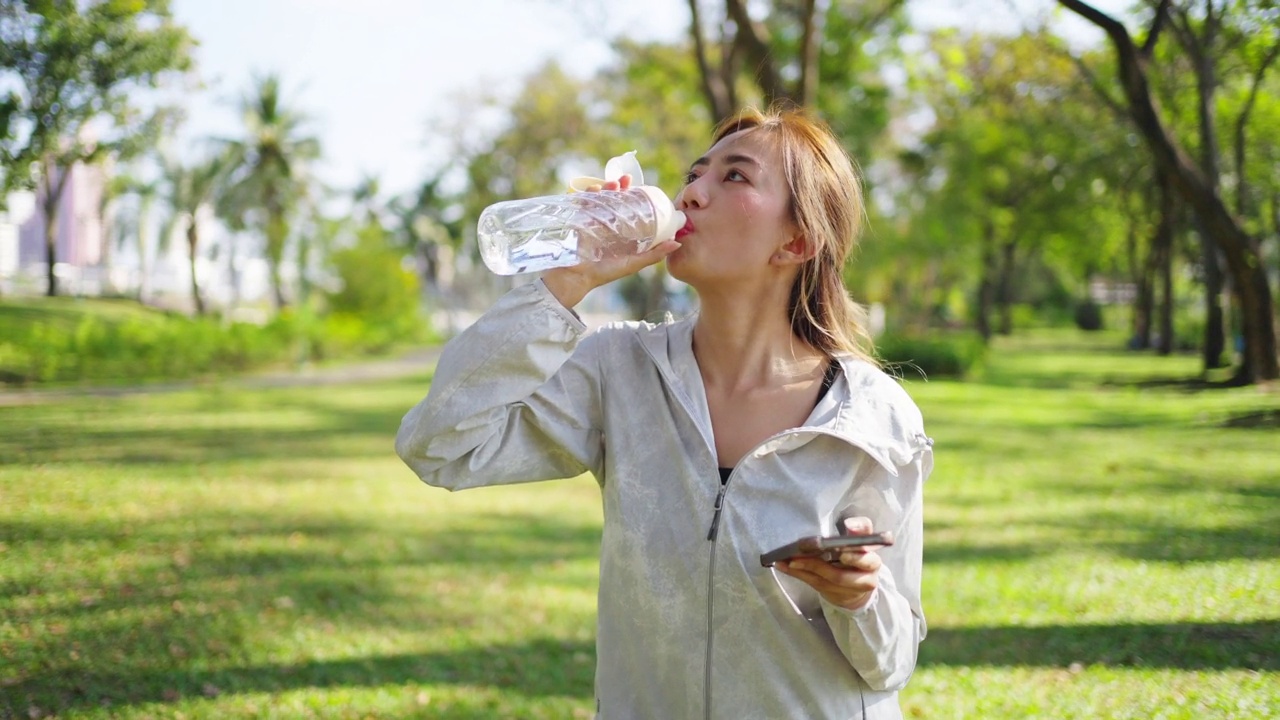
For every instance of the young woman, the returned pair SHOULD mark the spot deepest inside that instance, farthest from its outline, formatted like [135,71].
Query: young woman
[715,439]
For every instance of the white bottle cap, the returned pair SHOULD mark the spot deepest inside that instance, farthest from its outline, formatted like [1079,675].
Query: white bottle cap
[669,218]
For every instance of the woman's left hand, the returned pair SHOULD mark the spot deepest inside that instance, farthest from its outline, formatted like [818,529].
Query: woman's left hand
[850,582]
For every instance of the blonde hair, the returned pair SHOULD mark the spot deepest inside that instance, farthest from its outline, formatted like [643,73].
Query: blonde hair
[827,207]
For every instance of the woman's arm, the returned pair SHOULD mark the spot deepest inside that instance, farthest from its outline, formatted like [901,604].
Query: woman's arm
[871,599]
[515,398]
[881,638]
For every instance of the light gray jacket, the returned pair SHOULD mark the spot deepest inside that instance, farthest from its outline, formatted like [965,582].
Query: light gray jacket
[690,625]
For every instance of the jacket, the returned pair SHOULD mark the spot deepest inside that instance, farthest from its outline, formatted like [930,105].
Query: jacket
[690,625]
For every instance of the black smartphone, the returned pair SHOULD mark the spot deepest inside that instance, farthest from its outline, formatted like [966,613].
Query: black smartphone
[826,548]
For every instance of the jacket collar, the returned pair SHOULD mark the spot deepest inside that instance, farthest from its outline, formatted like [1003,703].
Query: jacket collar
[865,407]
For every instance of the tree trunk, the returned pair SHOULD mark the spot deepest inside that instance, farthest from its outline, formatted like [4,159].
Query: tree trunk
[1215,331]
[52,187]
[193,244]
[714,87]
[1240,250]
[1162,249]
[1142,273]
[987,286]
[50,209]
[811,50]
[277,232]
[144,250]
[1214,341]
[1004,292]
[753,38]
[106,255]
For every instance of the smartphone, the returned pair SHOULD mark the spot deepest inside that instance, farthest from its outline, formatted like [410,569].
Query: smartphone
[826,548]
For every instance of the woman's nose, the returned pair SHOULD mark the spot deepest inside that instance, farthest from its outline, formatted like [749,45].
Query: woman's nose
[691,196]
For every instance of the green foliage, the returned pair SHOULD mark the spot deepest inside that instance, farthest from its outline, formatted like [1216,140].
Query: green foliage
[86,345]
[76,341]
[72,63]
[1006,187]
[377,303]
[937,355]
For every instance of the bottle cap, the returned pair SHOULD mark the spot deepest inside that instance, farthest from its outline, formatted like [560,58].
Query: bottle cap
[669,218]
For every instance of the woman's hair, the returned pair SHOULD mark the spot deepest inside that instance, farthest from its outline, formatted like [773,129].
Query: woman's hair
[826,205]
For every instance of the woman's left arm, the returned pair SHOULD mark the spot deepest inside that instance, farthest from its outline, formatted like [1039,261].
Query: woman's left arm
[871,601]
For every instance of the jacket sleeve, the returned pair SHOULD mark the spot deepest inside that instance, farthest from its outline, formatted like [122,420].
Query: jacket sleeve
[880,640]
[515,398]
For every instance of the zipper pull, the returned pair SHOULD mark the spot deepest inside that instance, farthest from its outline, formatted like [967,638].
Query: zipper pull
[715,519]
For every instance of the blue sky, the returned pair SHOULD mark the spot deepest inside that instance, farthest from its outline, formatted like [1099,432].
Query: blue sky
[373,74]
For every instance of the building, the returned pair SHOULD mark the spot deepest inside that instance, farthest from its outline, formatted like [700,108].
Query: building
[79,233]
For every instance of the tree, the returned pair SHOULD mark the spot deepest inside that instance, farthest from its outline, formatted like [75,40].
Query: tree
[186,189]
[1005,184]
[73,63]
[783,49]
[136,224]
[1250,284]
[423,231]
[271,172]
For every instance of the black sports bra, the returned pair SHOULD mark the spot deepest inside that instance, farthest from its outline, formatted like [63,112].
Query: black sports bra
[828,378]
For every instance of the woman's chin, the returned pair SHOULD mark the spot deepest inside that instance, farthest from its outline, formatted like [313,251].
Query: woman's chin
[676,265]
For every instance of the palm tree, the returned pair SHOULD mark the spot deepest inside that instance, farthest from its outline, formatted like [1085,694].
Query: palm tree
[133,225]
[186,189]
[271,164]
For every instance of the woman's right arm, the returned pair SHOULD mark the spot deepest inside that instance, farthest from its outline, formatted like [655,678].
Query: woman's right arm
[515,398]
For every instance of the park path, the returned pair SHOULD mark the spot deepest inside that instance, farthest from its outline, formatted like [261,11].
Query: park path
[411,363]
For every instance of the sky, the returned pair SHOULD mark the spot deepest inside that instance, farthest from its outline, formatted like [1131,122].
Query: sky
[374,75]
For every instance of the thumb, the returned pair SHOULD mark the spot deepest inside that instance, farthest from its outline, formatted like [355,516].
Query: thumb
[858,526]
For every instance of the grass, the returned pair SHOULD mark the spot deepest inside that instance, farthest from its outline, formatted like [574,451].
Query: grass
[1101,543]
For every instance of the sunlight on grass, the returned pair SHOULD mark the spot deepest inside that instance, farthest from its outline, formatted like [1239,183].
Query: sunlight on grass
[1100,543]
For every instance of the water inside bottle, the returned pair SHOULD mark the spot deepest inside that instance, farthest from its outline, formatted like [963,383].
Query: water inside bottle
[543,233]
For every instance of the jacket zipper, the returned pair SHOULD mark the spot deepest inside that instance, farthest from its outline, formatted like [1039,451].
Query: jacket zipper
[711,579]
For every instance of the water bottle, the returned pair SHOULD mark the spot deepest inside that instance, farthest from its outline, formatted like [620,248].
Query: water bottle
[536,234]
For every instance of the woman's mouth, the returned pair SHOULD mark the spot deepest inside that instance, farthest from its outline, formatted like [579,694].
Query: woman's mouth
[688,228]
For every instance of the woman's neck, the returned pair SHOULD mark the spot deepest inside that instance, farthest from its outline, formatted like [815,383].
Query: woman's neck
[743,345]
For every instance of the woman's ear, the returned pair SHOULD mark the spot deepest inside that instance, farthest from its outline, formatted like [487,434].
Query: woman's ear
[796,251]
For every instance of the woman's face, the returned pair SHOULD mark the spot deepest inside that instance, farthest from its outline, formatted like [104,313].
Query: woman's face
[738,205]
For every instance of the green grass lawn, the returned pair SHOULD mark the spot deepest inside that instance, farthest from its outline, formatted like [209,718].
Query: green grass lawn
[1100,543]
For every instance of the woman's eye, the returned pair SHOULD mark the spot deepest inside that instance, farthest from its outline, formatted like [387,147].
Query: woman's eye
[735,176]
[690,177]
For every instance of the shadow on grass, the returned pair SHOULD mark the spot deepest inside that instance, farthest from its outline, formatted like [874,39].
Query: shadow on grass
[540,668]
[1184,646]
[259,557]
[316,429]
[1261,420]
[202,591]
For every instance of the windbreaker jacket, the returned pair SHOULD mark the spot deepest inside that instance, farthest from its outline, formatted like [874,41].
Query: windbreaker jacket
[690,625]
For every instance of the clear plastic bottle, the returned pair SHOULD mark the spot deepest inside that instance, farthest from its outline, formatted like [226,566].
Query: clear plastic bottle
[536,234]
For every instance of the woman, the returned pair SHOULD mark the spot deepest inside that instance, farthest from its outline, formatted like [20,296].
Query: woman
[715,439]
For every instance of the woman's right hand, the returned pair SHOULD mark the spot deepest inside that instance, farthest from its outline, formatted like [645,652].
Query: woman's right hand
[570,284]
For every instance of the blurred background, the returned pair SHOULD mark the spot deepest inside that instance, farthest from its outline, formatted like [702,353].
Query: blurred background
[321,166]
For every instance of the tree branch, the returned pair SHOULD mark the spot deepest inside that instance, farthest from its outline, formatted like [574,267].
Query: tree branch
[1157,24]
[712,81]
[810,50]
[754,40]
[1242,185]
